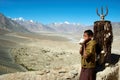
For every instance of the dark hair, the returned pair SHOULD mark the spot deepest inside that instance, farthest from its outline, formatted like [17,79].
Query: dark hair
[89,32]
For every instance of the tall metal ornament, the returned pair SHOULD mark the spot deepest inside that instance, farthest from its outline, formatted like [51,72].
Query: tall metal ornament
[102,15]
[104,36]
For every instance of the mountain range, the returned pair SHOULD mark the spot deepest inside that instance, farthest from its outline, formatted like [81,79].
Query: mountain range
[32,26]
[22,25]
[10,25]
[52,27]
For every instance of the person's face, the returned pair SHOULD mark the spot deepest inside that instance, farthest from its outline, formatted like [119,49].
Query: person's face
[86,37]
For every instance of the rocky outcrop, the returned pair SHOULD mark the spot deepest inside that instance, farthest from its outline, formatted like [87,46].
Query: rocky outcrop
[53,71]
[109,73]
[54,74]
[65,73]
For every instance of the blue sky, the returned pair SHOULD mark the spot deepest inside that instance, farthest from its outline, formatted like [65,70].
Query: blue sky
[48,11]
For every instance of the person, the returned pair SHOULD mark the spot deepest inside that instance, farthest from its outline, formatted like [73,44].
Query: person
[88,56]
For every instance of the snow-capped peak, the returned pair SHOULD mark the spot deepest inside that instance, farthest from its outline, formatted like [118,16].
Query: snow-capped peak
[20,18]
[31,21]
[66,22]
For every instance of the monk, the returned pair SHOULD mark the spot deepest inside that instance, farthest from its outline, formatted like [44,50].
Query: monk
[88,56]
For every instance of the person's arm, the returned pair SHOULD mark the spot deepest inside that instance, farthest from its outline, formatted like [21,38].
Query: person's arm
[84,53]
[81,50]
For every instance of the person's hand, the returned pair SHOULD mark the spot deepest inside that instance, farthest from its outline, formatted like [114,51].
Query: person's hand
[81,42]
[81,49]
[85,55]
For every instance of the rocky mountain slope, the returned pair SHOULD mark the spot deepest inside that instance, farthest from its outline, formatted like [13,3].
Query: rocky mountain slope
[10,25]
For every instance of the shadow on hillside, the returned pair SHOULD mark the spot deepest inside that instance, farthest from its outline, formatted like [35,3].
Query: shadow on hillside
[5,56]
[114,59]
